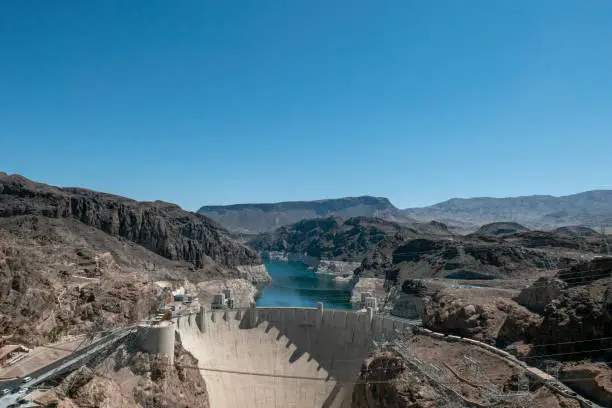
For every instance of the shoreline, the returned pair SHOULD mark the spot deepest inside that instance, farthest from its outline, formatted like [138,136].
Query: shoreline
[295,284]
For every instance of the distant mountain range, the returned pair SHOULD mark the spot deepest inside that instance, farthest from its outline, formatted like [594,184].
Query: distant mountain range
[590,208]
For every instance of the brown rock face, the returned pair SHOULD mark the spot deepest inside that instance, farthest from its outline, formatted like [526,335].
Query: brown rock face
[386,382]
[580,319]
[133,379]
[541,293]
[491,320]
[40,304]
[179,386]
[574,324]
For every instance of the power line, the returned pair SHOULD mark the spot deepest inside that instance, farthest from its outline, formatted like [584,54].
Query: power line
[572,342]
[306,378]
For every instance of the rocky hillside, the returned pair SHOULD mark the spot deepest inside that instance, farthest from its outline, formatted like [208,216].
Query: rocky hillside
[132,379]
[561,323]
[590,208]
[74,260]
[470,257]
[442,376]
[506,261]
[161,227]
[257,218]
[337,238]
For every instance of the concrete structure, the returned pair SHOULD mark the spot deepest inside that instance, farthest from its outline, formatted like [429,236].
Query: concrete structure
[370,302]
[219,301]
[283,357]
[228,294]
[157,339]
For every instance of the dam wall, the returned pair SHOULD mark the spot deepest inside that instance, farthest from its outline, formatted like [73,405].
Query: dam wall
[283,357]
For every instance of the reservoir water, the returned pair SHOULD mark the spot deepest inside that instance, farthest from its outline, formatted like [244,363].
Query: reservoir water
[293,284]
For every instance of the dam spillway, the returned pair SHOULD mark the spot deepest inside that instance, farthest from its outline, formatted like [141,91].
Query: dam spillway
[283,357]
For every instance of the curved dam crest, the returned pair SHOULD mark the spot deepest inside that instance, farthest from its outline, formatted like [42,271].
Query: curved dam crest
[283,357]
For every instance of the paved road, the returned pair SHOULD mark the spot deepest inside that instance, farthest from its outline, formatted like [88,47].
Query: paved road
[73,360]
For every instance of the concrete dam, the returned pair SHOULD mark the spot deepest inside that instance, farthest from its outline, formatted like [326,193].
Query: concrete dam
[280,357]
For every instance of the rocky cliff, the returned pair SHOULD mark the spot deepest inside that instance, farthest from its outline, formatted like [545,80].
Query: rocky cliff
[161,227]
[479,314]
[386,381]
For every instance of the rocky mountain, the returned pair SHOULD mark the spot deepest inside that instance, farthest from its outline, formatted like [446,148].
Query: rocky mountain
[73,260]
[161,227]
[338,238]
[590,208]
[257,218]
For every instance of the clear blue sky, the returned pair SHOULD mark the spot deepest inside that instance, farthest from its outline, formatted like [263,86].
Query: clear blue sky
[217,102]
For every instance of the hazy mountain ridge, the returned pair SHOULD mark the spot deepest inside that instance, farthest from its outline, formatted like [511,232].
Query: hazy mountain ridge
[257,218]
[590,208]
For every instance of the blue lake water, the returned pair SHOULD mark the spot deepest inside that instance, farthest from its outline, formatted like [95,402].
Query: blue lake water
[295,285]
